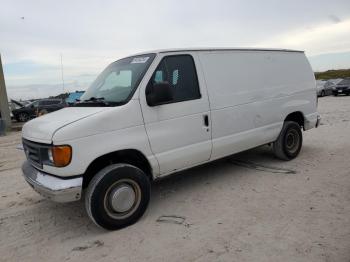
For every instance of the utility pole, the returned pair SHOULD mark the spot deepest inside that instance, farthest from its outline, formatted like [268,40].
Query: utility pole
[4,103]
[62,74]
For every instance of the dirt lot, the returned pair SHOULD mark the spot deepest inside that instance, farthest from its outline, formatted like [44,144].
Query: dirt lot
[250,207]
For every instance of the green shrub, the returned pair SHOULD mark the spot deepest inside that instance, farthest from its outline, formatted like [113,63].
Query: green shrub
[330,74]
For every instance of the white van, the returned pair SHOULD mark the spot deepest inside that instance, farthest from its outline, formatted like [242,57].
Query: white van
[156,113]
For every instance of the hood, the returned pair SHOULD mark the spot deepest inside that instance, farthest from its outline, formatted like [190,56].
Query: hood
[43,128]
[17,103]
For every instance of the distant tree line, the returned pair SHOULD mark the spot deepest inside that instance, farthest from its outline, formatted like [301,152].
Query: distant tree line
[331,74]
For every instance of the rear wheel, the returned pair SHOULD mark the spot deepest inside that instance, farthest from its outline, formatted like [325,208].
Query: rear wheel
[117,196]
[289,142]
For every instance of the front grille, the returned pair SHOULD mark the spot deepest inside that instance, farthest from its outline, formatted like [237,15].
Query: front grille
[33,152]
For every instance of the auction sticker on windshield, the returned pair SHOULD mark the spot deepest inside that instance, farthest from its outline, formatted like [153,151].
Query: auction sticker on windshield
[140,60]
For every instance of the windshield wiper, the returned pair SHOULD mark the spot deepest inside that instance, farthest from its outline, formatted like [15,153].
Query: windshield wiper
[99,101]
[95,101]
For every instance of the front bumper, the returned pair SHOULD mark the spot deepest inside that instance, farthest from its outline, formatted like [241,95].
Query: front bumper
[51,187]
[318,120]
[341,91]
[311,121]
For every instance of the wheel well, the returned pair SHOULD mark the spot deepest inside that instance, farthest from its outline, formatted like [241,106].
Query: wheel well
[296,117]
[128,156]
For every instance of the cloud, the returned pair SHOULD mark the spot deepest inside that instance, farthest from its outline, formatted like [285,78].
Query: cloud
[91,34]
[323,62]
[335,19]
[323,38]
[42,91]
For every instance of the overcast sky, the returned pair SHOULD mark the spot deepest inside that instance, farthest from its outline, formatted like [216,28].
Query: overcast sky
[91,34]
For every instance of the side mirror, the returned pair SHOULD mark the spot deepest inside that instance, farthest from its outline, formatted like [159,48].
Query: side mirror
[159,93]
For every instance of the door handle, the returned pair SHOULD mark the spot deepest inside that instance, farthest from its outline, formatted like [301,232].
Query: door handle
[206,120]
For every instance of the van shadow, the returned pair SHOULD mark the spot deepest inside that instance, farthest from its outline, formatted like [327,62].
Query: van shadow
[210,173]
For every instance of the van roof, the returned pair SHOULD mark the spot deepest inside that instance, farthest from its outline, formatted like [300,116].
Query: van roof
[170,50]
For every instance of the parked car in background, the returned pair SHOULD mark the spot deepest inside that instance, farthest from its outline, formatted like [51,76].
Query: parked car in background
[25,113]
[50,105]
[37,108]
[24,102]
[74,97]
[324,88]
[320,87]
[331,84]
[13,105]
[343,87]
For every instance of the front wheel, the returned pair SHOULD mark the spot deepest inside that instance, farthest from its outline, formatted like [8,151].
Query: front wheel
[289,142]
[23,117]
[117,196]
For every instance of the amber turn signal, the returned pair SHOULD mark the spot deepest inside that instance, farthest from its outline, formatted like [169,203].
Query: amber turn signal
[61,155]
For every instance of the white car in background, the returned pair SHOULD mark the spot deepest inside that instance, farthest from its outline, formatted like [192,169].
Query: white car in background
[325,87]
[320,87]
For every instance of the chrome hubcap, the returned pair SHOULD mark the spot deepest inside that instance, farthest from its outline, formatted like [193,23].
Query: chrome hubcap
[122,198]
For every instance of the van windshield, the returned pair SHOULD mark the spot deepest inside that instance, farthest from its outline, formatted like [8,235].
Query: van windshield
[117,83]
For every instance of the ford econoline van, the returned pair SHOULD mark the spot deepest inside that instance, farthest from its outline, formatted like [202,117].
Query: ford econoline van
[153,114]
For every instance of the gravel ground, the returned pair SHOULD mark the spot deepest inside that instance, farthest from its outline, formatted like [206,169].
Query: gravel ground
[249,207]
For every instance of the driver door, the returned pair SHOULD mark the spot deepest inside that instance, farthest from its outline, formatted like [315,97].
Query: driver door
[179,131]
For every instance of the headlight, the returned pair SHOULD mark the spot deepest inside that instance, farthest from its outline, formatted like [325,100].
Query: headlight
[60,156]
[49,154]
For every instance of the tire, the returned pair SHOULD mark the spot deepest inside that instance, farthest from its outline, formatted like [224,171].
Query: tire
[323,93]
[335,94]
[131,190]
[23,117]
[289,142]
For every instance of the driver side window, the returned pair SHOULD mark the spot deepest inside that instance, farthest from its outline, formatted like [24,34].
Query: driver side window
[180,72]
